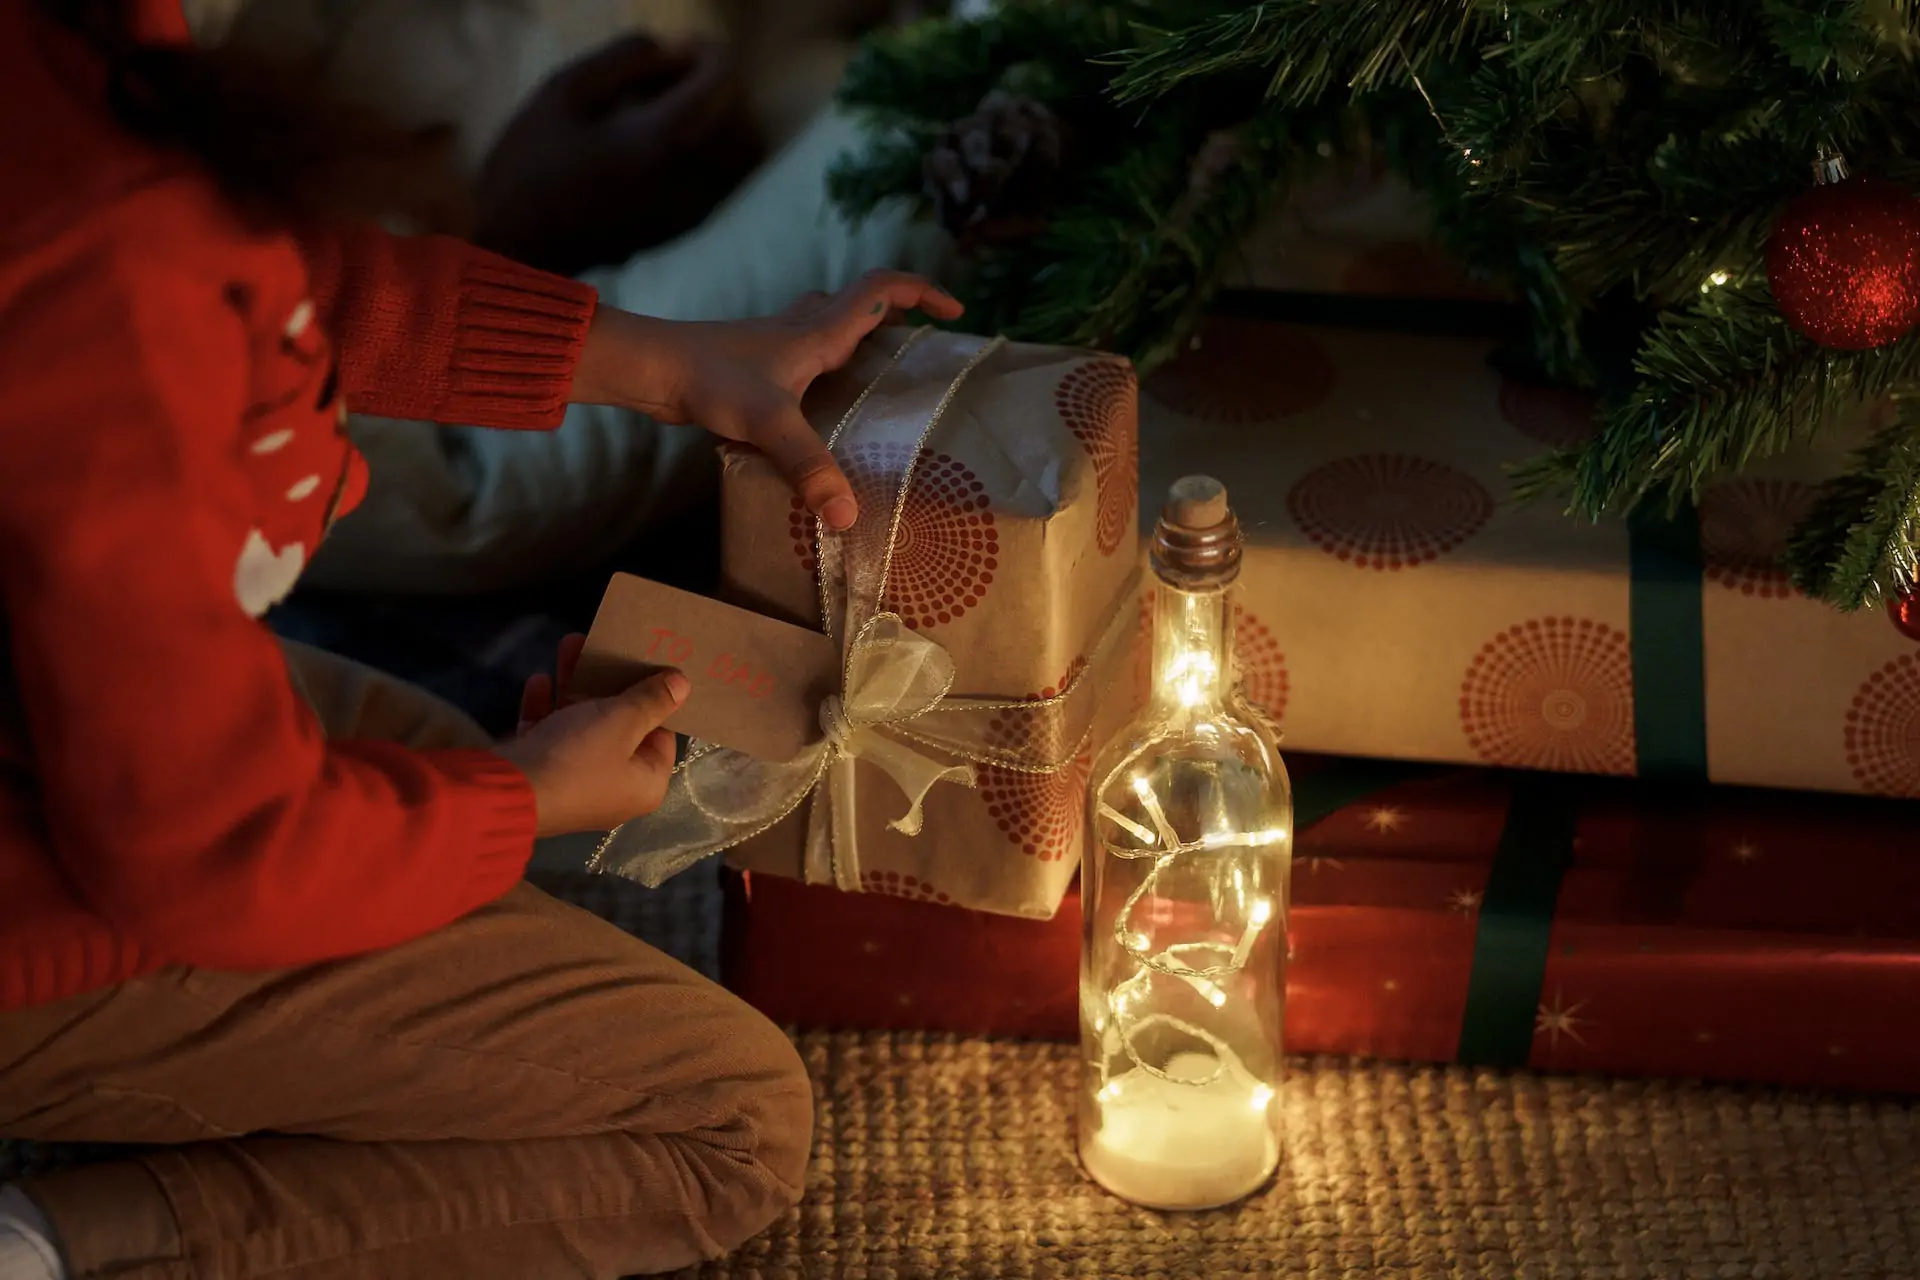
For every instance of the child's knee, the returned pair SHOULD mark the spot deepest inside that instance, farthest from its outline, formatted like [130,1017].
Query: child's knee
[750,1167]
[777,1105]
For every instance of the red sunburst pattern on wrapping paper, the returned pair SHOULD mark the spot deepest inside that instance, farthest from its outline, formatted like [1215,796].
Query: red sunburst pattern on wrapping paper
[946,551]
[1243,371]
[1744,527]
[1262,666]
[800,527]
[1100,403]
[1552,693]
[1388,510]
[1043,813]
[1555,416]
[1883,730]
[898,884]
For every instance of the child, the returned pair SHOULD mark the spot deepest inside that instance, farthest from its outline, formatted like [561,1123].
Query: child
[307,959]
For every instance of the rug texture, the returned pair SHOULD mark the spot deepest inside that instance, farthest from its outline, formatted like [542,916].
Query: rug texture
[953,1160]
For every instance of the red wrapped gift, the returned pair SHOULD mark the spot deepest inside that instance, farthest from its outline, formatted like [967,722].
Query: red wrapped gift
[1444,914]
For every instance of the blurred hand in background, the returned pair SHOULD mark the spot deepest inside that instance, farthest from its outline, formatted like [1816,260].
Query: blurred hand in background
[616,152]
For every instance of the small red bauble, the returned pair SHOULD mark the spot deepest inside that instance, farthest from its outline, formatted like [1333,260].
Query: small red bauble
[1905,613]
[1844,263]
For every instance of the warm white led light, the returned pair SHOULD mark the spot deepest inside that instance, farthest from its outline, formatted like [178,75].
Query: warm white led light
[1187,880]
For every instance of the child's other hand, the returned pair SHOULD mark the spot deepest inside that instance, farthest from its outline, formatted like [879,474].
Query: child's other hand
[598,763]
[618,151]
[743,380]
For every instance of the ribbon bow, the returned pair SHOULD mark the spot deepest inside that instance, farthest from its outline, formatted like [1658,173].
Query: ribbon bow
[893,676]
[895,698]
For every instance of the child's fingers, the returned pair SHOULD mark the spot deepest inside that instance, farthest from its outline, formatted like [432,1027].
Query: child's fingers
[647,705]
[571,647]
[536,700]
[774,425]
[879,293]
[656,751]
[653,769]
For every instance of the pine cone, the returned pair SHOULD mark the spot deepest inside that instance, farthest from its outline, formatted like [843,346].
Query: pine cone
[992,176]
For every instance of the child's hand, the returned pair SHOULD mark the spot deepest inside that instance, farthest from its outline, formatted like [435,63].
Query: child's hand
[742,380]
[595,764]
[618,151]
[544,694]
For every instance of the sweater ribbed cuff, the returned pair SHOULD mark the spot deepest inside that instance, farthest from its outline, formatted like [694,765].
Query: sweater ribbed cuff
[502,820]
[517,344]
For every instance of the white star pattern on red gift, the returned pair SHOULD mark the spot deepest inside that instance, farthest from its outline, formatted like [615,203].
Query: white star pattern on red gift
[1386,819]
[1558,1018]
[1465,901]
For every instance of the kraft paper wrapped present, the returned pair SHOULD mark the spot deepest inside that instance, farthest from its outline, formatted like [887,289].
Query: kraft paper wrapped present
[1398,603]
[1354,228]
[1446,914]
[985,605]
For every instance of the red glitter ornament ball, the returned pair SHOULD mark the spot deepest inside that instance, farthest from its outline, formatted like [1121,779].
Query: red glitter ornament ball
[1844,263]
[1905,613]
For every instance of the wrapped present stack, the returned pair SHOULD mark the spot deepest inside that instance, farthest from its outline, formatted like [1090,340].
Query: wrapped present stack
[1409,609]
[985,604]
[1559,783]
[1451,914]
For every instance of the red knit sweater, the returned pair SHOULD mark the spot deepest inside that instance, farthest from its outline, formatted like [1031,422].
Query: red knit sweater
[171,390]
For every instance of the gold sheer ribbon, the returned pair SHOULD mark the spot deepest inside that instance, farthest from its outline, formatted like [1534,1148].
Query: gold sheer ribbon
[895,710]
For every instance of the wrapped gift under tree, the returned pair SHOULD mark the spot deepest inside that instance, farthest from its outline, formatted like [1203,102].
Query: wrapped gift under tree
[1398,602]
[1446,914]
[983,605]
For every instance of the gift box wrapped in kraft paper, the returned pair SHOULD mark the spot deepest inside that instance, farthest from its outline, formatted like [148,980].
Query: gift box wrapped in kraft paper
[1354,228]
[1482,916]
[1399,603]
[985,606]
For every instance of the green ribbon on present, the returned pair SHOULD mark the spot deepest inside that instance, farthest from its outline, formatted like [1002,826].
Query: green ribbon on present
[1668,646]
[1668,651]
[1515,920]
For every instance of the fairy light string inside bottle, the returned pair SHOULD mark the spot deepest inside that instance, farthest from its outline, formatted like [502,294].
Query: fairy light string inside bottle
[1184,895]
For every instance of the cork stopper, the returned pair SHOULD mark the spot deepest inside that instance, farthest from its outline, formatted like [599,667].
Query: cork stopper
[1196,544]
[1196,502]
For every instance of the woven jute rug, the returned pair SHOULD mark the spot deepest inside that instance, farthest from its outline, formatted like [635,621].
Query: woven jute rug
[936,1157]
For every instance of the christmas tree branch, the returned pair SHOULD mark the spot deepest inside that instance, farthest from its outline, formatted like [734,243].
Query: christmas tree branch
[1729,382]
[1617,164]
[1131,266]
[1306,47]
[1856,547]
[889,169]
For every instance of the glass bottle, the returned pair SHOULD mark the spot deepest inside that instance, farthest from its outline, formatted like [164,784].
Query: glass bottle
[1184,894]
